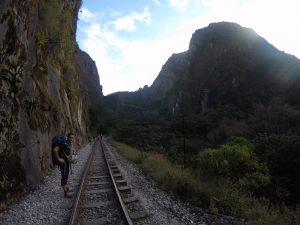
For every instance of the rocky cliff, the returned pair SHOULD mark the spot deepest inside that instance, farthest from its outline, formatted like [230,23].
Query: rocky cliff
[86,68]
[230,64]
[44,87]
[226,64]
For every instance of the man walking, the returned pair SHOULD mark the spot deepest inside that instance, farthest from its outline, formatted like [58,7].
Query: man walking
[62,153]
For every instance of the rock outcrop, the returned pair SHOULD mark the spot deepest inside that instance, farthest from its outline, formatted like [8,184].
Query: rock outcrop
[42,91]
[230,64]
[86,68]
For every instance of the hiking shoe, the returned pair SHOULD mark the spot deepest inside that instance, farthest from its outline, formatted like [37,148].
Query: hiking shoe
[67,195]
[70,189]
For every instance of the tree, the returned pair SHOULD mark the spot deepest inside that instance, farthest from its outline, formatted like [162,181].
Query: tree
[234,162]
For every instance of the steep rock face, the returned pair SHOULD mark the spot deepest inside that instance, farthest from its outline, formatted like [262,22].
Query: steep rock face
[87,69]
[230,64]
[158,99]
[169,80]
[91,89]
[226,64]
[173,72]
[40,89]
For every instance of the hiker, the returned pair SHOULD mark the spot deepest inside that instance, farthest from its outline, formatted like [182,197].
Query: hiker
[62,151]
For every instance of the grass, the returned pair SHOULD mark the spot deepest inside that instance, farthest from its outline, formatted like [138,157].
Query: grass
[216,195]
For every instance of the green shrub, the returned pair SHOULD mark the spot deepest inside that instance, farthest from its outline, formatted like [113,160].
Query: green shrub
[141,157]
[157,167]
[130,152]
[281,152]
[42,38]
[50,14]
[234,162]
[214,194]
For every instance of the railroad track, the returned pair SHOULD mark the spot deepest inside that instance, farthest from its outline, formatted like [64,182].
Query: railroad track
[104,197]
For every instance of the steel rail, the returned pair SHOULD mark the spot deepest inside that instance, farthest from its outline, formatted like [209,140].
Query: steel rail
[124,210]
[83,177]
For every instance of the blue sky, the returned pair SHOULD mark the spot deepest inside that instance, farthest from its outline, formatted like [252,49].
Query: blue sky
[131,40]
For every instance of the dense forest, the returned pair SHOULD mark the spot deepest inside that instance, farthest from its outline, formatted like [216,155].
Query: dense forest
[274,144]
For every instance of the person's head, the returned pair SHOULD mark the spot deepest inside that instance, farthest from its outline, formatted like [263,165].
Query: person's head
[71,137]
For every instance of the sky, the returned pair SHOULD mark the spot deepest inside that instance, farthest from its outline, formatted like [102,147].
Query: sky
[130,40]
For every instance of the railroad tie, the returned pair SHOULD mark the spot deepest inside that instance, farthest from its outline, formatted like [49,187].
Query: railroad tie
[113,166]
[98,177]
[98,183]
[100,221]
[97,204]
[139,215]
[98,191]
[115,171]
[124,188]
[117,175]
[121,182]
[130,200]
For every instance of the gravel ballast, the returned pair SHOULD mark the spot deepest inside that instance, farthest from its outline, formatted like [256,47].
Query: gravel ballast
[46,204]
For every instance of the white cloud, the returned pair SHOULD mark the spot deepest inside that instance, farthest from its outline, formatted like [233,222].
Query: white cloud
[157,2]
[180,5]
[128,23]
[276,21]
[137,63]
[86,15]
[122,64]
[218,3]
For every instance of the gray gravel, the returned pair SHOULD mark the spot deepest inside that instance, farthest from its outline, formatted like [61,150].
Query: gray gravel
[46,204]
[163,208]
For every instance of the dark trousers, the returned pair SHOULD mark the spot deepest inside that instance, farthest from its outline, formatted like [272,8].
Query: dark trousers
[64,169]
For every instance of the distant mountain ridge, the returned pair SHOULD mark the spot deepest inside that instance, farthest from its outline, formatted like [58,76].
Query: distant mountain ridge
[225,64]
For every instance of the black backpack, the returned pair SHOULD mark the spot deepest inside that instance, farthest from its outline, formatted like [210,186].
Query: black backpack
[57,141]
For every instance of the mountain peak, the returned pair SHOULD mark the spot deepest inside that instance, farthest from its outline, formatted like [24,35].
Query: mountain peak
[225,64]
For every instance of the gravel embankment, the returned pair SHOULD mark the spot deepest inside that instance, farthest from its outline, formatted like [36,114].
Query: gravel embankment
[46,204]
[163,208]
